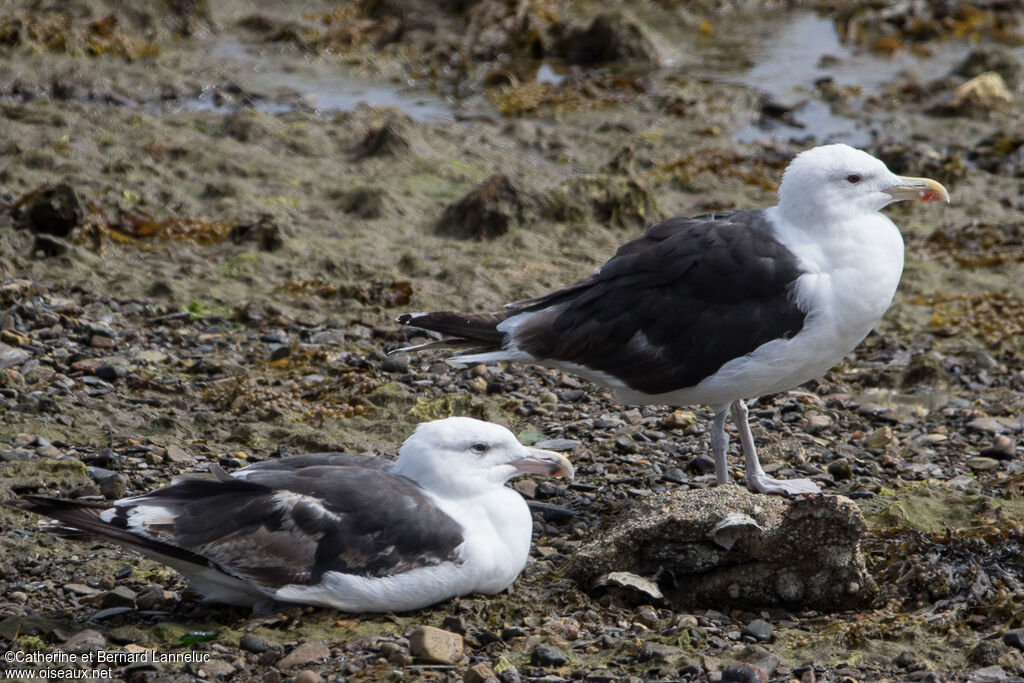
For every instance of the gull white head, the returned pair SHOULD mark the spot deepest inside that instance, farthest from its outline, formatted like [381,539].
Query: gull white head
[464,456]
[839,182]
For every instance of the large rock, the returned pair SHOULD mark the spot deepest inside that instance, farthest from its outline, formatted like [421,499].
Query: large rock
[725,546]
[488,211]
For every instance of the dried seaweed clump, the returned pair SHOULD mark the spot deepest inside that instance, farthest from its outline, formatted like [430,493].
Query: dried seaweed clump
[918,159]
[1001,154]
[351,25]
[978,570]
[996,318]
[303,399]
[143,225]
[64,33]
[980,245]
[758,171]
[388,294]
[589,90]
[888,27]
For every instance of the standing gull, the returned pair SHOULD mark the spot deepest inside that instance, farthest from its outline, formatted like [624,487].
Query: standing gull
[722,307]
[339,530]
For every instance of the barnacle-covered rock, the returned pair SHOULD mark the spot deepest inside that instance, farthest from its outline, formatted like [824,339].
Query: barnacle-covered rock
[802,553]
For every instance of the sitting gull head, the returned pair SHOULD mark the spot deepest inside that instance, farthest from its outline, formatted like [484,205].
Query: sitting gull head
[837,182]
[462,456]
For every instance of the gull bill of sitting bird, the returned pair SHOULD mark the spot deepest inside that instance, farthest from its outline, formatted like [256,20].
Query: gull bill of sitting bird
[720,308]
[339,530]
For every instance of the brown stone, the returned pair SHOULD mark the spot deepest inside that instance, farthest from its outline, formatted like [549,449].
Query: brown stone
[305,653]
[176,454]
[479,673]
[435,645]
[101,341]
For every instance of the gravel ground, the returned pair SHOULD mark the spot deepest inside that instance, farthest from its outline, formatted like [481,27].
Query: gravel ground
[200,267]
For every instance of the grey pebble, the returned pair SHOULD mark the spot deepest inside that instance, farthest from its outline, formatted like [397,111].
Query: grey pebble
[558,444]
[121,596]
[548,655]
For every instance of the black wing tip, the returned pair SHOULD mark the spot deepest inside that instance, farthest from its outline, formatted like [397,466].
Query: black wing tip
[37,503]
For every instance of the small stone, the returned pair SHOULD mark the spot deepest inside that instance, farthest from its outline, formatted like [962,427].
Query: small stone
[987,90]
[647,616]
[840,470]
[114,487]
[988,674]
[566,628]
[679,419]
[760,630]
[109,373]
[84,641]
[815,422]
[253,643]
[987,424]
[659,653]
[526,487]
[740,672]
[395,362]
[100,341]
[11,356]
[510,674]
[479,673]
[435,645]
[307,676]
[548,655]
[675,475]
[152,598]
[1014,638]
[178,455]
[80,589]
[216,669]
[980,464]
[19,596]
[304,653]
[54,210]
[478,385]
[456,623]
[1002,448]
[702,464]
[120,596]
[879,438]
[558,444]
[762,660]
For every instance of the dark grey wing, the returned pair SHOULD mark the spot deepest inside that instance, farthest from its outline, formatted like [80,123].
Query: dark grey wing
[297,462]
[278,528]
[671,307]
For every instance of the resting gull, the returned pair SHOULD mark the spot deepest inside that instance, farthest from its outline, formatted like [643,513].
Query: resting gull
[723,307]
[339,530]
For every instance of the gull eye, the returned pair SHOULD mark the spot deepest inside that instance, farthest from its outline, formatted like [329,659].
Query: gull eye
[853,178]
[480,448]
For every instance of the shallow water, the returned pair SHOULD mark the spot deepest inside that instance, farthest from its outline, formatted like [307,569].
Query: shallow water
[779,55]
[787,64]
[320,85]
